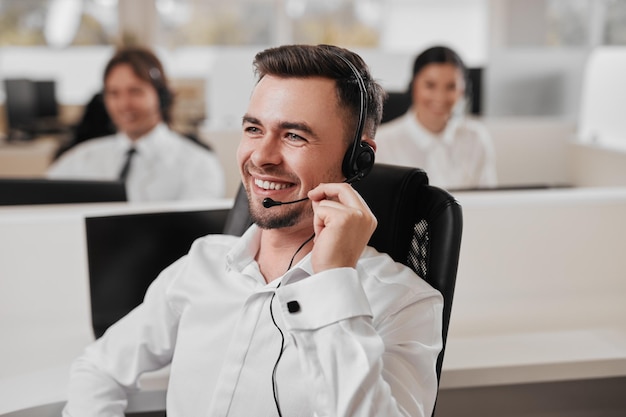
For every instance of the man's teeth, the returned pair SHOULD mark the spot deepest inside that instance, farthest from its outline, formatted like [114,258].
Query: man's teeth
[267,185]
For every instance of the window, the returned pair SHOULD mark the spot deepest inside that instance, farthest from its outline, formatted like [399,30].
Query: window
[57,22]
[266,22]
[22,22]
[348,23]
[413,25]
[555,23]
[615,23]
[215,22]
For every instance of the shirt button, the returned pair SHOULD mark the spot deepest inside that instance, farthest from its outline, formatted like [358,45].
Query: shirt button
[293,306]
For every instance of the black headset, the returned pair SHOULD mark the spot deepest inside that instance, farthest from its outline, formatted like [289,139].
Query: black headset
[359,158]
[158,82]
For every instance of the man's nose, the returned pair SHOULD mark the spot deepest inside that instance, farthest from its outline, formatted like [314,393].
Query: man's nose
[123,101]
[266,151]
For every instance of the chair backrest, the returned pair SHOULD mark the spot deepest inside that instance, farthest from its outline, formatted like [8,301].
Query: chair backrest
[419,225]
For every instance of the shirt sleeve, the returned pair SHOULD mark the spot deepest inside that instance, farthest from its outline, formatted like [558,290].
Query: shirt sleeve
[142,341]
[67,166]
[361,366]
[204,177]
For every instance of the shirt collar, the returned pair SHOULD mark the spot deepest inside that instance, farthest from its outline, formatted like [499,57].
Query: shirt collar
[246,248]
[145,145]
[424,137]
[244,251]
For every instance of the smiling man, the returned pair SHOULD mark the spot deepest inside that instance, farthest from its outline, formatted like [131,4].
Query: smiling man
[156,163]
[298,317]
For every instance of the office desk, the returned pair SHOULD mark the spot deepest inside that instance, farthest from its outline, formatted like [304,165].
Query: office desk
[45,318]
[540,289]
[539,297]
[27,158]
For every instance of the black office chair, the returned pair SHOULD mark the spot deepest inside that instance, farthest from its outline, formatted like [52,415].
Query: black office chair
[395,105]
[419,225]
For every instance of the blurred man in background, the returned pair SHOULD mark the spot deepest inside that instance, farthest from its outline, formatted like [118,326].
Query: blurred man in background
[156,163]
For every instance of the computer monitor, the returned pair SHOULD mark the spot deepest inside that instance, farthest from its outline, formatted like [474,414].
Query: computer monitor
[20,103]
[24,191]
[47,106]
[31,108]
[475,76]
[127,252]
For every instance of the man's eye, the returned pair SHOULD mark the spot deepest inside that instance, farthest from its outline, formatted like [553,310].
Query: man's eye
[252,129]
[294,137]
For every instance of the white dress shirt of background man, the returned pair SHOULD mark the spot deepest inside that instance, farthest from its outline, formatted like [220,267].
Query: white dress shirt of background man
[156,163]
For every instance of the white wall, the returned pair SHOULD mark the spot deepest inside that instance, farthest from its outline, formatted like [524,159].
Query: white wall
[77,71]
[540,288]
[603,98]
[541,82]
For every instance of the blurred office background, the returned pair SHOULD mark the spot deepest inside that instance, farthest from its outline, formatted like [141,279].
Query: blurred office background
[528,58]
[533,52]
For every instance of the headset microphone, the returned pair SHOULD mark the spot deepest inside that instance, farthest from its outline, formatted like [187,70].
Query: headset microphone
[268,202]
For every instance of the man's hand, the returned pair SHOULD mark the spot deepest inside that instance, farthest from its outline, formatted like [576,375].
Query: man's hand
[343,225]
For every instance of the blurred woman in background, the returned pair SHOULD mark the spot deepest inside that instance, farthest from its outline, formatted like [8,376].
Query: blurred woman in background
[435,134]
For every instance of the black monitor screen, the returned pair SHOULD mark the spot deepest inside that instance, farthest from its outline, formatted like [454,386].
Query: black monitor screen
[32,108]
[23,191]
[475,76]
[127,252]
[46,99]
[20,103]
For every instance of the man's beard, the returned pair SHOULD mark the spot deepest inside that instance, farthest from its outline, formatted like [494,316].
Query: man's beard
[265,218]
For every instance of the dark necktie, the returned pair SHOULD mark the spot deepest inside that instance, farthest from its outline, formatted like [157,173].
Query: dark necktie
[126,167]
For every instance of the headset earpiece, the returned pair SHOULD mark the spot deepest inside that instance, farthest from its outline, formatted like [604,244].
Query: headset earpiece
[359,159]
[359,162]
[165,97]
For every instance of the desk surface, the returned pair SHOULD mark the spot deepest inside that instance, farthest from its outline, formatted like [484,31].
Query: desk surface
[44,289]
[28,158]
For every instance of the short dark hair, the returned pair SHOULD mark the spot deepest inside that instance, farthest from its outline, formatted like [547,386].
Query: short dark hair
[324,61]
[147,67]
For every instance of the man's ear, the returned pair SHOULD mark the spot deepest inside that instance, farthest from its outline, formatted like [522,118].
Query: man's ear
[369,141]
